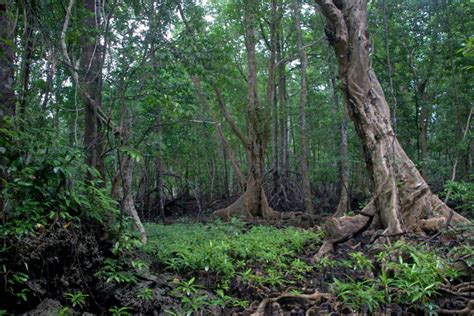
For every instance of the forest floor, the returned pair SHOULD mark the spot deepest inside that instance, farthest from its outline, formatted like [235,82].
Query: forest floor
[267,268]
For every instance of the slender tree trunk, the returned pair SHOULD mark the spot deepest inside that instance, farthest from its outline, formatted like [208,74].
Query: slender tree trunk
[159,168]
[343,205]
[29,41]
[91,76]
[225,179]
[283,120]
[271,97]
[253,202]
[275,142]
[51,67]
[402,200]
[128,204]
[308,199]
[423,125]
[467,128]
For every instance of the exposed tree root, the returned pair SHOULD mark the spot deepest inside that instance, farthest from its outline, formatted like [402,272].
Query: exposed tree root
[305,299]
[252,204]
[468,310]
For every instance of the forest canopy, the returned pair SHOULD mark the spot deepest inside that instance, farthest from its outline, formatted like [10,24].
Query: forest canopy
[217,156]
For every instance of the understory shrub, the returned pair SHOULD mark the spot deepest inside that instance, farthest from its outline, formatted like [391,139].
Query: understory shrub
[403,274]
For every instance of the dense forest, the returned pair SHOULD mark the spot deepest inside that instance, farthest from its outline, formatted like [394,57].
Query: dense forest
[218,157]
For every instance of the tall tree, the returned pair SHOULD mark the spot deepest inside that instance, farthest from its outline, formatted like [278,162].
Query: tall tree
[308,198]
[91,77]
[253,202]
[401,199]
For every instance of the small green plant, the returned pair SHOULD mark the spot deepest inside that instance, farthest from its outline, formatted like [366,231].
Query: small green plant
[222,299]
[193,303]
[145,294]
[116,271]
[16,279]
[77,299]
[64,311]
[326,262]
[274,278]
[187,287]
[188,292]
[119,311]
[358,294]
[360,261]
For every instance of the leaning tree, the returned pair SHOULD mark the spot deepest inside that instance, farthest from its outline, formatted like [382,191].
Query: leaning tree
[402,200]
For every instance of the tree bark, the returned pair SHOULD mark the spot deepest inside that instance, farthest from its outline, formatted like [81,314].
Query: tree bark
[91,77]
[253,202]
[308,200]
[401,200]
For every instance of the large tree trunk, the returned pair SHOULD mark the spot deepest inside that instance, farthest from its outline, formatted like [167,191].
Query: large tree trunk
[401,198]
[253,202]
[91,77]
[308,197]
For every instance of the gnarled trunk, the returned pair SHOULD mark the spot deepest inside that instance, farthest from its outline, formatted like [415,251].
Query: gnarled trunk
[401,198]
